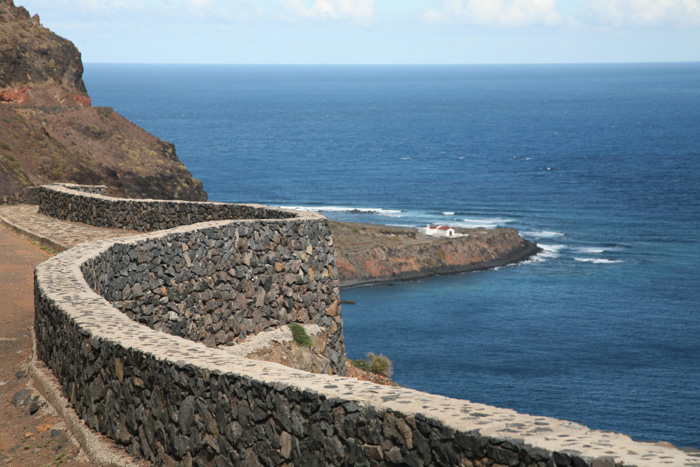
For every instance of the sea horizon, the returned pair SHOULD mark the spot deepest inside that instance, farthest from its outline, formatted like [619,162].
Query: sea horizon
[90,63]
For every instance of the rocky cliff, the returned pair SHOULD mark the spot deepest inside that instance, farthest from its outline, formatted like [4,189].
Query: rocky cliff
[36,66]
[368,253]
[49,132]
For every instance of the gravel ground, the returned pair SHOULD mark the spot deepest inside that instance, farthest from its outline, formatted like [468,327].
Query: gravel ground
[31,433]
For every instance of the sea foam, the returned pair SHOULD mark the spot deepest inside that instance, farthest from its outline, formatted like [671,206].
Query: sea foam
[548,252]
[379,211]
[488,223]
[590,250]
[599,260]
[544,234]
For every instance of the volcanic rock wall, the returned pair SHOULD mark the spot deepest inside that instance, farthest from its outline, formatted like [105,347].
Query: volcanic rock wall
[172,400]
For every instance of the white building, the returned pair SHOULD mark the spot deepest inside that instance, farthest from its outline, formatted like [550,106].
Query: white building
[437,230]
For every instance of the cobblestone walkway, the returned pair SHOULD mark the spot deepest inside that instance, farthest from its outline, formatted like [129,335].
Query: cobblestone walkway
[57,234]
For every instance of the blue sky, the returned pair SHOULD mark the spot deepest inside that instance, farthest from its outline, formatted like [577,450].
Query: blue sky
[376,31]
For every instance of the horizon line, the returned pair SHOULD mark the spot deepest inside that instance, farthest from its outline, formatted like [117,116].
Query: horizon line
[655,62]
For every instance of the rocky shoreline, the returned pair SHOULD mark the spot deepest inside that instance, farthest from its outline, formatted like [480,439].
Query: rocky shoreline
[369,253]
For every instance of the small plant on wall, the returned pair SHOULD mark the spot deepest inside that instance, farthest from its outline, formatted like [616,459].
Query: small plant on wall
[299,334]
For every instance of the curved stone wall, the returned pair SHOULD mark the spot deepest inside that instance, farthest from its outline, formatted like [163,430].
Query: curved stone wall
[219,282]
[176,401]
[216,282]
[80,205]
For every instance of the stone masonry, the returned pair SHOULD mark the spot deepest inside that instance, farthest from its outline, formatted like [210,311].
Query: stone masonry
[123,324]
[225,280]
[143,215]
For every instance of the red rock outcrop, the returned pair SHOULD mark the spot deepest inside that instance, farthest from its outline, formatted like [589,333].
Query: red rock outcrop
[37,67]
[49,132]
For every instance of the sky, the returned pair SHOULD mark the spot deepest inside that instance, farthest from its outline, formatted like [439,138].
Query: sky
[376,31]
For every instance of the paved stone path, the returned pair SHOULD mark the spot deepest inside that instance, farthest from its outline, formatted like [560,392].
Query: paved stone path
[57,234]
[38,435]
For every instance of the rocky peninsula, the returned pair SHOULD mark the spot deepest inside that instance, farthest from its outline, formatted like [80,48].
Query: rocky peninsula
[369,253]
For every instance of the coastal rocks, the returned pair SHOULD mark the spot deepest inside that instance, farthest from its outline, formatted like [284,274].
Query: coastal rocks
[366,253]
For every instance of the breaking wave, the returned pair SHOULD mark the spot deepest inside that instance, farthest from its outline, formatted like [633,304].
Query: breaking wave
[348,209]
[599,260]
[543,234]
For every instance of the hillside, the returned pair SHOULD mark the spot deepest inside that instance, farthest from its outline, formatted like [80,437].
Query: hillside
[50,132]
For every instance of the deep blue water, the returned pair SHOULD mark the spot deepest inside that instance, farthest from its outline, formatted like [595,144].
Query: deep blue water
[600,164]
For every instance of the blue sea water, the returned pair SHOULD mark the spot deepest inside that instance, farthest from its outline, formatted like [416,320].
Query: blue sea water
[599,164]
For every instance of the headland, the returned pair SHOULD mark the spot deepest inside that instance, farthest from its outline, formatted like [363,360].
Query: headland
[50,132]
[370,253]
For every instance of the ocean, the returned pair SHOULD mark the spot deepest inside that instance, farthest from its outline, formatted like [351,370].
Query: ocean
[599,164]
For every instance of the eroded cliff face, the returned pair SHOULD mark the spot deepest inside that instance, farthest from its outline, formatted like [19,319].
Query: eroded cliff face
[369,253]
[89,145]
[37,67]
[49,132]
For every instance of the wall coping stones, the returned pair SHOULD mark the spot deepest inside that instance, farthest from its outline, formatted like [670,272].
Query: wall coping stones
[261,341]
[68,309]
[86,204]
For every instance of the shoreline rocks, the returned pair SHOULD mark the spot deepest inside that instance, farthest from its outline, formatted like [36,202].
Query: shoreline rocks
[369,254]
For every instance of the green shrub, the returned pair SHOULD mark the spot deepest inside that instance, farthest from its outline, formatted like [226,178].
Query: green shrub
[380,364]
[377,364]
[361,364]
[299,334]
[49,250]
